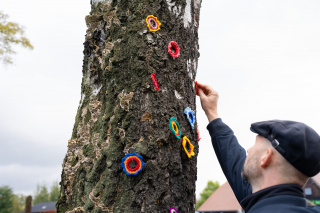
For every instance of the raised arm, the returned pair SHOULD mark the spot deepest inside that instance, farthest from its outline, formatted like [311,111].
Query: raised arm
[230,154]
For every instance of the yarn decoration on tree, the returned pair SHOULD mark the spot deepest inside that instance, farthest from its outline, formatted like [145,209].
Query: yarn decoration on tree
[198,134]
[190,115]
[174,49]
[175,127]
[197,88]
[153,23]
[187,146]
[135,160]
[156,85]
[173,210]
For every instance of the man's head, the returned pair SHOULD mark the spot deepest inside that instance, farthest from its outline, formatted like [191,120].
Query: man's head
[265,166]
[287,150]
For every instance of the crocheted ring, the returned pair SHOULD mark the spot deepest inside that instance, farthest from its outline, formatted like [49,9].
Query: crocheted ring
[190,115]
[153,23]
[197,89]
[198,134]
[156,85]
[188,147]
[135,159]
[175,127]
[173,210]
[173,49]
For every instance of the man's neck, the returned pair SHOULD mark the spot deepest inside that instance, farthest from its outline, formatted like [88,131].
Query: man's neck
[272,181]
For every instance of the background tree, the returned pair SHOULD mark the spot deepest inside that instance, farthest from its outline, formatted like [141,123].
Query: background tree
[10,33]
[41,195]
[122,112]
[18,202]
[207,192]
[6,199]
[54,191]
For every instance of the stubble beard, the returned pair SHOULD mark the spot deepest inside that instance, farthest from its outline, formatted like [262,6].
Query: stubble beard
[250,170]
[244,173]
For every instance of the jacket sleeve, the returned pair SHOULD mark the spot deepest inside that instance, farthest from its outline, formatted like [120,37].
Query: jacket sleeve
[231,157]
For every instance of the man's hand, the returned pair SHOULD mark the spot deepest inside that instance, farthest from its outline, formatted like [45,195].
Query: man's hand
[209,101]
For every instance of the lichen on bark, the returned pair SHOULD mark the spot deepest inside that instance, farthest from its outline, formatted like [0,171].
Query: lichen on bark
[121,112]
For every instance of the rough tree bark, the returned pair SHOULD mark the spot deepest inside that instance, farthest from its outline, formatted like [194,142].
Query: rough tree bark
[121,112]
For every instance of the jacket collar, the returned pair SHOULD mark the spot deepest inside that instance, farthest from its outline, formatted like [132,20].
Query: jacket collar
[278,190]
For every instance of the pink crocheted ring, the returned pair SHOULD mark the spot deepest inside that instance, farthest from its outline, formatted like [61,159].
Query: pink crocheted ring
[173,210]
[153,23]
[197,88]
[173,49]
[198,134]
[156,85]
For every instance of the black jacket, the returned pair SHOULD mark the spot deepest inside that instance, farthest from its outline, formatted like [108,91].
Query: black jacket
[232,157]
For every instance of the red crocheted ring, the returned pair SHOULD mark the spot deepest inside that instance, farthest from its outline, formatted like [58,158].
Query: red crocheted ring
[136,165]
[173,49]
[133,158]
[156,85]
[197,88]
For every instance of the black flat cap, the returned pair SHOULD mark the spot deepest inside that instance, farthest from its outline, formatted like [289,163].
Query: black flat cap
[298,143]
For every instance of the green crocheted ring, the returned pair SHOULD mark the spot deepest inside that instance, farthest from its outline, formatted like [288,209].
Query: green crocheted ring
[175,127]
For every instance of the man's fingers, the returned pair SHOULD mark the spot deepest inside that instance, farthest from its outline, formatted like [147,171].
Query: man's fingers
[200,93]
[207,90]
[202,86]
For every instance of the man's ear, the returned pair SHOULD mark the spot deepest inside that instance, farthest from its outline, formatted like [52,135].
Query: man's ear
[265,159]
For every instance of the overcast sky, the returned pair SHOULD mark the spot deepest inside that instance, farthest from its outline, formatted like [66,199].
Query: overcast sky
[262,56]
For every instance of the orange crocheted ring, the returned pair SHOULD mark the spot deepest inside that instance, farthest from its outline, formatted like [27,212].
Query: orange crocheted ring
[173,49]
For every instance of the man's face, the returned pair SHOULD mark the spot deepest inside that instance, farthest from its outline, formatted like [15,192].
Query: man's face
[251,168]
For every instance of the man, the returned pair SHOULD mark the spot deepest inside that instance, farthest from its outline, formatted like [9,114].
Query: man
[271,177]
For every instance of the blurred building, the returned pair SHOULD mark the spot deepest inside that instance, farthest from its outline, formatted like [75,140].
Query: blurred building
[47,207]
[312,190]
[222,200]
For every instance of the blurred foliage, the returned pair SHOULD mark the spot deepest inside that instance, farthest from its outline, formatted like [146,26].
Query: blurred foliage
[207,192]
[6,199]
[18,202]
[10,33]
[13,203]
[43,195]
[54,192]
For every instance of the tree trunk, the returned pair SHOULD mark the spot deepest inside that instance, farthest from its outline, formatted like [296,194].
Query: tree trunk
[123,112]
[28,206]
